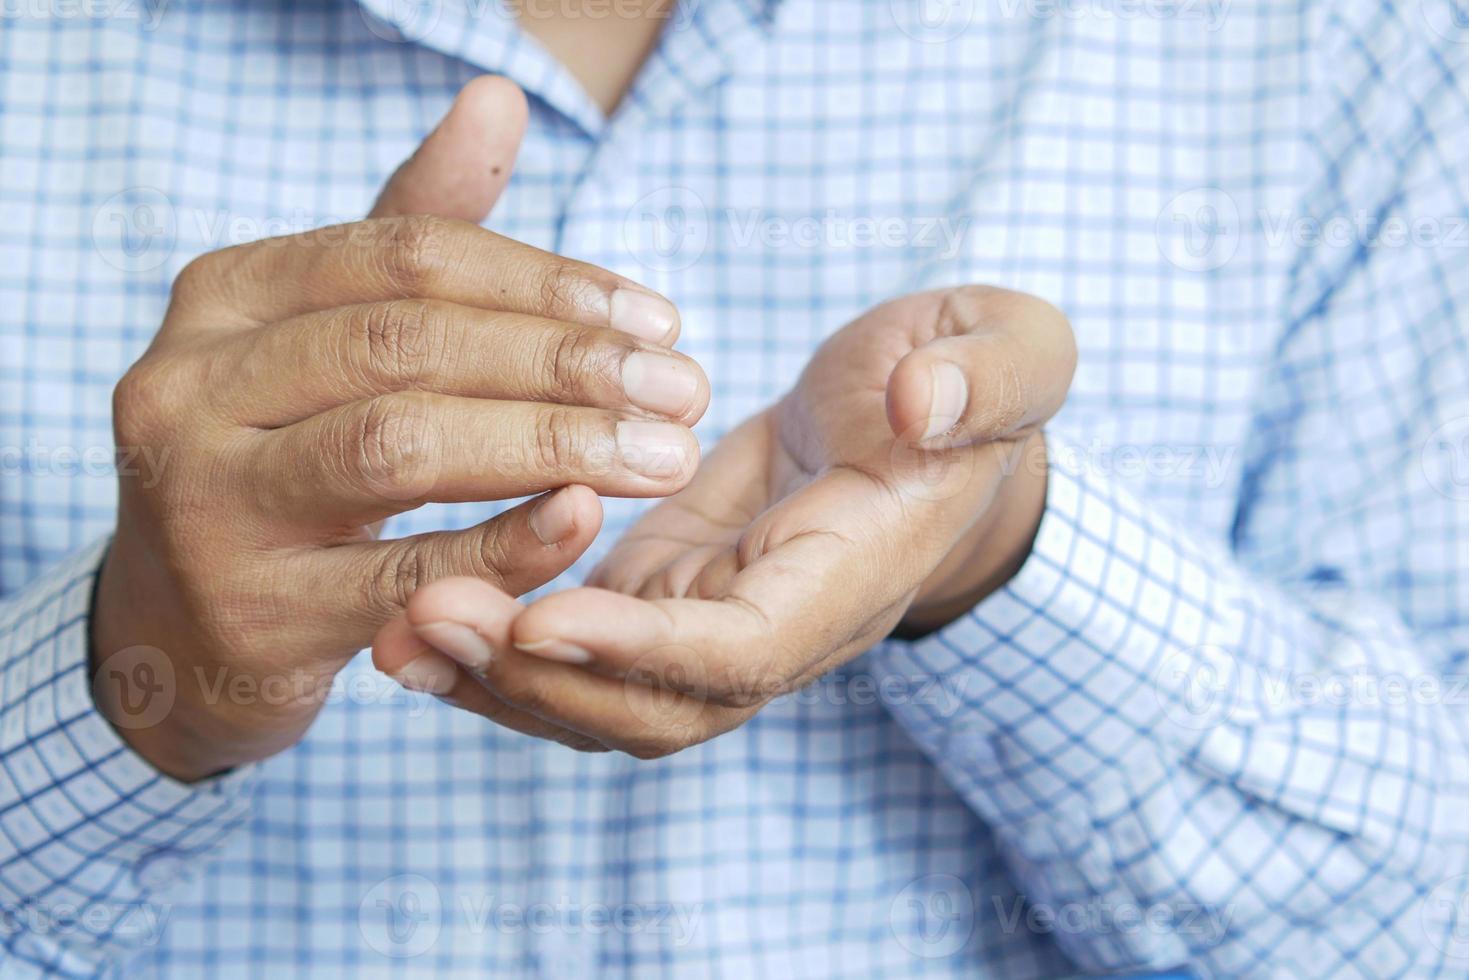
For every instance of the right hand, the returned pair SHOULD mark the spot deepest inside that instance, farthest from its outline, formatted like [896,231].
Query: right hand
[303,389]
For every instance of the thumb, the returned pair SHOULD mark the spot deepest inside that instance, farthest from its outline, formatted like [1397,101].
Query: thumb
[999,366]
[459,170]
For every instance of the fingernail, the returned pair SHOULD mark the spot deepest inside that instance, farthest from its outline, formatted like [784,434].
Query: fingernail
[458,641]
[659,382]
[567,653]
[554,518]
[642,314]
[654,449]
[429,673]
[950,396]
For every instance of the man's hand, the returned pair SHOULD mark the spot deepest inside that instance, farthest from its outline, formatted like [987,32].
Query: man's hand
[303,389]
[904,476]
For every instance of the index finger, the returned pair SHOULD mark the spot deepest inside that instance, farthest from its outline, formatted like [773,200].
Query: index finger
[412,256]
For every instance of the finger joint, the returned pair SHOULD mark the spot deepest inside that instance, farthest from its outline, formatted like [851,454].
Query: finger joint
[414,252]
[394,446]
[398,341]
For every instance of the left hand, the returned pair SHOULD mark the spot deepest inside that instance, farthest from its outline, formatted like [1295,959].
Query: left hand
[902,478]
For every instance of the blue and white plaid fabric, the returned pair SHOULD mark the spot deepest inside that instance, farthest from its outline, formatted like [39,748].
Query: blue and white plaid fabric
[1219,718]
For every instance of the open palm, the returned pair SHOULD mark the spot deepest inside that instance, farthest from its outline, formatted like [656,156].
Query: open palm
[804,537]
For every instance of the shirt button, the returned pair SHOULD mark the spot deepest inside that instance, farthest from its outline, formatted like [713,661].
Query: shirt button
[158,868]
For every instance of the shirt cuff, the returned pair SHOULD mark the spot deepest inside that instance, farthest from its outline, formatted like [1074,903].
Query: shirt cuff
[1049,684]
[86,824]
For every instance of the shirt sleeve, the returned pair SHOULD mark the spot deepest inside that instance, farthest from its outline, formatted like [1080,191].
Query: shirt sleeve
[89,831]
[1252,754]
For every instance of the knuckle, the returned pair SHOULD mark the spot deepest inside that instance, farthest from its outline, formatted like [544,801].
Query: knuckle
[648,751]
[561,286]
[197,279]
[572,357]
[144,402]
[491,558]
[415,251]
[965,308]
[555,440]
[581,743]
[397,340]
[674,738]
[398,573]
[394,447]
[528,694]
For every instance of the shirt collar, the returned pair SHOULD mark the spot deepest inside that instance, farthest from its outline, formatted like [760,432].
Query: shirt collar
[705,41]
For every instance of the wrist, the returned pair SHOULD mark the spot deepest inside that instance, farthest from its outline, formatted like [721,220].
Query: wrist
[145,692]
[992,549]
